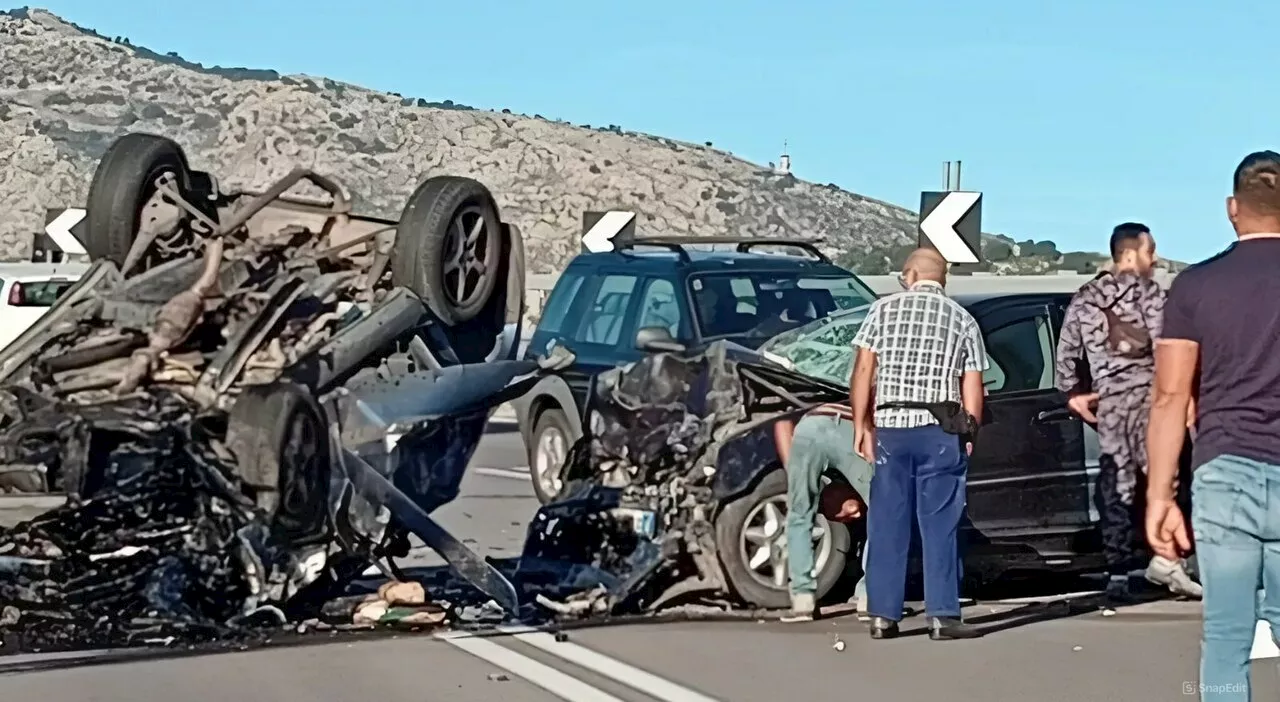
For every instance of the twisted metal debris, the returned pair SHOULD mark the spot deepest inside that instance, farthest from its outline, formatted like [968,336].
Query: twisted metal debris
[156,553]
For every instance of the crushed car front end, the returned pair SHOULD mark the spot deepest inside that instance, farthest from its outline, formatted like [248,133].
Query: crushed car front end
[676,449]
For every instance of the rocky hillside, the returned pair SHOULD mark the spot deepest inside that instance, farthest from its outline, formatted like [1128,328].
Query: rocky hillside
[66,92]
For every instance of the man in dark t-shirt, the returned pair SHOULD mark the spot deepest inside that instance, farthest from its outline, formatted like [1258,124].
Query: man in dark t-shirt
[1221,348]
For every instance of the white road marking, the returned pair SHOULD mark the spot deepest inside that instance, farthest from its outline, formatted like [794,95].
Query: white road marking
[544,676]
[629,675]
[509,473]
[1263,645]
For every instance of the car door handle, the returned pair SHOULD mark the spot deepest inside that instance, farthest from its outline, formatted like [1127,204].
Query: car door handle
[1053,415]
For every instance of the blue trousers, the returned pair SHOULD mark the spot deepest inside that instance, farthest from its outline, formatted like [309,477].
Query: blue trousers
[919,477]
[1236,518]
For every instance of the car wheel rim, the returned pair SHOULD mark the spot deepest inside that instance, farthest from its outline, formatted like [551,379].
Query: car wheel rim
[763,546]
[467,269]
[549,459]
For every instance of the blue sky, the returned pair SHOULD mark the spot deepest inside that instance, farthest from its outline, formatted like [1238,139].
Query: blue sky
[1070,116]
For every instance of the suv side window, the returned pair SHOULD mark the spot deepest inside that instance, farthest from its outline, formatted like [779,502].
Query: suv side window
[557,306]
[1021,355]
[602,323]
[659,308]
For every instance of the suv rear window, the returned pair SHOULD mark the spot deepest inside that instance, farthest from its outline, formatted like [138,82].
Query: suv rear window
[42,293]
[753,307]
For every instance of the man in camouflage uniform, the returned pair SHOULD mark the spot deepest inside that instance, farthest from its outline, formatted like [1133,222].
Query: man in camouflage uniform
[1108,383]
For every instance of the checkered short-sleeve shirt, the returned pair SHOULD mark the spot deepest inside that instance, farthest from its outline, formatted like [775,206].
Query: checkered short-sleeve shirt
[924,342]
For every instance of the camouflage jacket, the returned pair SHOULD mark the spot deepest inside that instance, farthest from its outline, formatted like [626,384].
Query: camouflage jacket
[1084,363]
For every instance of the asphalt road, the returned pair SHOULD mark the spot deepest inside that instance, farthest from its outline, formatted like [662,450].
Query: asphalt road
[1035,651]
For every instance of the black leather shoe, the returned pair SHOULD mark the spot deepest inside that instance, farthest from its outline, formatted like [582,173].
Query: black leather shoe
[946,628]
[882,628]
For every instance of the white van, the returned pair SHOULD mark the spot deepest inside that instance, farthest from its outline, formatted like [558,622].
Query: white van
[27,290]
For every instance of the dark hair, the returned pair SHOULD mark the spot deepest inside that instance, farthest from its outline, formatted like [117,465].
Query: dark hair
[1256,183]
[1126,237]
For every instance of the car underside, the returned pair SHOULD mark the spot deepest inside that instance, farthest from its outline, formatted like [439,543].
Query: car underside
[248,395]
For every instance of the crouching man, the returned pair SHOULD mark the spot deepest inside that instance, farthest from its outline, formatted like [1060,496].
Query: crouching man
[821,440]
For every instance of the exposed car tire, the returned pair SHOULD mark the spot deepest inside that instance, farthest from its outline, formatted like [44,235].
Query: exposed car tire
[448,247]
[757,521]
[548,447]
[277,433]
[122,184]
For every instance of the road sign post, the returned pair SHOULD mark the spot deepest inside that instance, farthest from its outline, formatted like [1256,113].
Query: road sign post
[951,223]
[607,231]
[61,236]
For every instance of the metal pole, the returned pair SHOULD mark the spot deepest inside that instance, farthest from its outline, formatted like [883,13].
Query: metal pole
[947,171]
[957,175]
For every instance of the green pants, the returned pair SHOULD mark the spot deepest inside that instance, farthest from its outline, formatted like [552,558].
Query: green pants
[819,443]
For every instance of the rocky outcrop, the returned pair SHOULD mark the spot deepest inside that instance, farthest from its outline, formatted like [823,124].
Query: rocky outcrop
[67,92]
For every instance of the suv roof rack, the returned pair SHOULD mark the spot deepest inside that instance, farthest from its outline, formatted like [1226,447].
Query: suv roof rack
[744,244]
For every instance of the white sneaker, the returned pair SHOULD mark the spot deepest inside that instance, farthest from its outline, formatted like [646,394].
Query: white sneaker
[1173,575]
[803,608]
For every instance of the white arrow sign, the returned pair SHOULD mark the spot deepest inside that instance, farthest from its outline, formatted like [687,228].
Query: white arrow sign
[600,237]
[940,226]
[59,230]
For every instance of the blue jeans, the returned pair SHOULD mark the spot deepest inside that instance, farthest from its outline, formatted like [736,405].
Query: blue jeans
[919,476]
[819,443]
[1236,518]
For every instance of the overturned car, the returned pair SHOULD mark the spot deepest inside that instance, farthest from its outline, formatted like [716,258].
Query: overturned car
[249,395]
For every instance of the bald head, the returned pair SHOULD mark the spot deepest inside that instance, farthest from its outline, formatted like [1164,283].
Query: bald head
[925,264]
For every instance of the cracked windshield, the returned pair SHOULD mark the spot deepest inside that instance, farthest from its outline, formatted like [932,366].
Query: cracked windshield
[822,349]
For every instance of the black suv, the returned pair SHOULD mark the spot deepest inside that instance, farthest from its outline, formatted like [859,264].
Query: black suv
[660,294]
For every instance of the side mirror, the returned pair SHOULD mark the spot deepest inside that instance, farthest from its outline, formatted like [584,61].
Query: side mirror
[657,339]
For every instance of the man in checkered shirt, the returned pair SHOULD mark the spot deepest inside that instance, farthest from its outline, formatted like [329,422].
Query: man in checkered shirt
[917,346]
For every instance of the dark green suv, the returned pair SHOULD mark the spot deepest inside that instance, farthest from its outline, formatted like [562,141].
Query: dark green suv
[659,294]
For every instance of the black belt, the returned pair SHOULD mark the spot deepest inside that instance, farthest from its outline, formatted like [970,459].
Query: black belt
[951,416]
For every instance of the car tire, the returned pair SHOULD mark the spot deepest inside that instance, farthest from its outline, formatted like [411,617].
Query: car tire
[549,445]
[122,184]
[756,586]
[277,434]
[438,217]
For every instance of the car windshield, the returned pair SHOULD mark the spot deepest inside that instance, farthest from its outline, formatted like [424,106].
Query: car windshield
[750,308]
[821,349]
